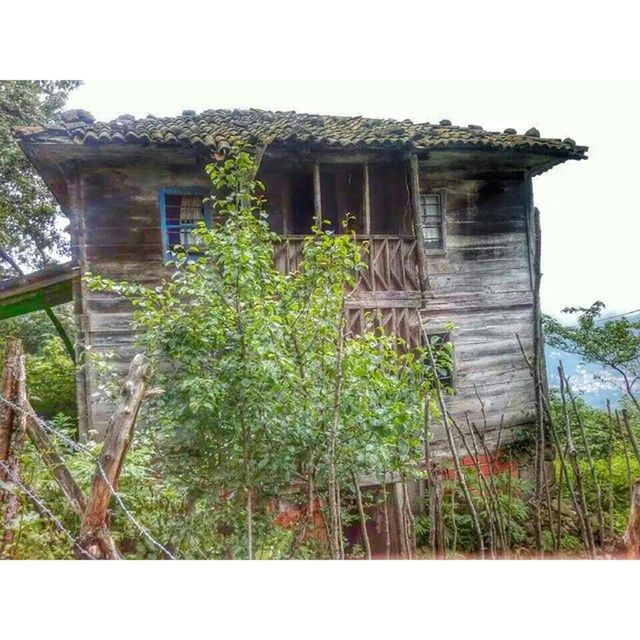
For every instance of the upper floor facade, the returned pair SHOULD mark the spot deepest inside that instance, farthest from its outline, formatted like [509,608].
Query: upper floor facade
[446,213]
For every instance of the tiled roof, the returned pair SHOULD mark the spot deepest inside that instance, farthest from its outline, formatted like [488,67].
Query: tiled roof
[220,129]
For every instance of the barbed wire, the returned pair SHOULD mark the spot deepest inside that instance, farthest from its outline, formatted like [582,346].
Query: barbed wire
[44,509]
[76,446]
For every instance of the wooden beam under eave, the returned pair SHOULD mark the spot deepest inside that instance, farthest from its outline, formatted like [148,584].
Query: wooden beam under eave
[257,158]
[317,194]
[417,222]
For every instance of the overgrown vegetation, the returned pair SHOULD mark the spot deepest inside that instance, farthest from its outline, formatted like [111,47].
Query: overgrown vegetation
[266,397]
[267,412]
[50,371]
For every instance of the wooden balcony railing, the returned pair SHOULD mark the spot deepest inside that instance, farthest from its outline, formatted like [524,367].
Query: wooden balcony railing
[392,262]
[401,321]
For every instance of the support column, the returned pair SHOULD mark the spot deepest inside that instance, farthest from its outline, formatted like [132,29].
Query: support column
[317,194]
[417,222]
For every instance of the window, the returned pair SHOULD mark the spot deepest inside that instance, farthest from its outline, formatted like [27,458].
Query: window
[442,349]
[432,220]
[181,213]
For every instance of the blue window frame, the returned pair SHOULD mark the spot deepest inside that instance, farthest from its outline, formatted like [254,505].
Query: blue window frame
[181,209]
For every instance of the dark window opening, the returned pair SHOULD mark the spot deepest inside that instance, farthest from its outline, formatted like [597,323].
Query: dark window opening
[302,206]
[442,349]
[291,206]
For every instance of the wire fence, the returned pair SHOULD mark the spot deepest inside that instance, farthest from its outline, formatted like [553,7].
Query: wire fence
[78,447]
[42,507]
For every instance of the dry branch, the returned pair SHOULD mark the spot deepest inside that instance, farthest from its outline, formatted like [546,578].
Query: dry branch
[452,445]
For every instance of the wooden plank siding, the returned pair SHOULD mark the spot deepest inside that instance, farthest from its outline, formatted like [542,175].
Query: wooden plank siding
[481,283]
[121,240]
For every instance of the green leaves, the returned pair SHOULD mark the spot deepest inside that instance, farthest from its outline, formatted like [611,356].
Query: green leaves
[27,209]
[249,359]
[612,343]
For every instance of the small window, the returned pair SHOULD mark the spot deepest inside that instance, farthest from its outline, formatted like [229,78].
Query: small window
[181,214]
[442,349]
[432,220]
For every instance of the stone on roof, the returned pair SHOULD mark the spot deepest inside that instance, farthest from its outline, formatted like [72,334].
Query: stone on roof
[221,129]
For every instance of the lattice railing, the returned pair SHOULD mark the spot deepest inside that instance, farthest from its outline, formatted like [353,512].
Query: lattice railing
[400,321]
[392,261]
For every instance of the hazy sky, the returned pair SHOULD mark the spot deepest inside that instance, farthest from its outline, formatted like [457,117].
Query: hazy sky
[590,221]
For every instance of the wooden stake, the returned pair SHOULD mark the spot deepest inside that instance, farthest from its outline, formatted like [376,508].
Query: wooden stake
[53,460]
[363,516]
[632,434]
[20,425]
[581,503]
[632,534]
[387,531]
[94,534]
[452,446]
[592,468]
[12,353]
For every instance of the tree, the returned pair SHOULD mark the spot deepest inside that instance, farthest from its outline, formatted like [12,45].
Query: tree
[265,393]
[612,343]
[50,370]
[29,227]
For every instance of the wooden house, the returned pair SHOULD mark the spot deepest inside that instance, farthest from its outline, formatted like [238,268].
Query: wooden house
[447,210]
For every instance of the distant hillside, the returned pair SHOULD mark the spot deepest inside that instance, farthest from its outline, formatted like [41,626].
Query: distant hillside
[594,383]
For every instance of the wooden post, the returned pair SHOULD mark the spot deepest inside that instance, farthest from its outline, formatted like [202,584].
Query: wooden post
[54,461]
[363,517]
[632,534]
[19,428]
[317,194]
[366,199]
[94,534]
[12,352]
[417,222]
[9,428]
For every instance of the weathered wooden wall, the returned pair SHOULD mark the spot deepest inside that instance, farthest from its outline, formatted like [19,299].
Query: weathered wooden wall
[481,282]
[119,218]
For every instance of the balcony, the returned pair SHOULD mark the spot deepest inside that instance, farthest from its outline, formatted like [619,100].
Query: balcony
[392,265]
[388,291]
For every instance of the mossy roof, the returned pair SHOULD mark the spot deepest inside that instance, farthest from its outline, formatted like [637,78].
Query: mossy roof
[220,129]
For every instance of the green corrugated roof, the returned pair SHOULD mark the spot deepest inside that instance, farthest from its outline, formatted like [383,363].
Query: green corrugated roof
[38,290]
